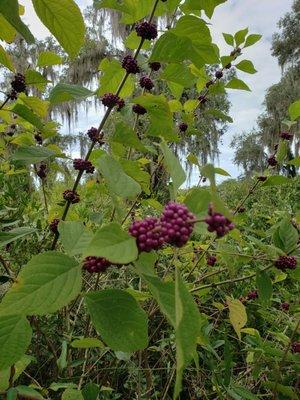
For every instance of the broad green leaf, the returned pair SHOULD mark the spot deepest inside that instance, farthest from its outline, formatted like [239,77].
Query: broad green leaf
[264,286]
[237,314]
[27,392]
[180,74]
[5,59]
[47,283]
[207,5]
[294,110]
[64,92]
[87,343]
[117,180]
[119,319]
[277,180]
[295,161]
[190,105]
[74,236]
[28,115]
[133,42]
[14,234]
[244,393]
[136,172]
[288,235]
[34,78]
[229,39]
[287,391]
[218,114]
[187,329]
[48,58]
[197,201]
[282,150]
[7,31]
[113,243]
[37,105]
[173,166]
[132,10]
[10,11]
[112,74]
[15,337]
[240,36]
[55,386]
[12,394]
[236,83]
[90,391]
[221,171]
[175,106]
[252,39]
[124,134]
[246,66]
[72,394]
[64,20]
[32,154]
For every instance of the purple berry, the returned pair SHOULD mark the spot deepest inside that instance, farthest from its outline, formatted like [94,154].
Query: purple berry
[218,223]
[272,161]
[146,83]
[241,210]
[121,104]
[228,66]
[183,127]
[202,99]
[83,165]
[262,178]
[39,139]
[138,109]
[285,306]
[13,95]
[42,171]
[296,347]
[110,100]
[211,260]
[155,66]
[18,83]
[252,295]
[209,83]
[95,136]
[286,262]
[54,225]
[71,196]
[146,30]
[286,135]
[148,234]
[130,65]
[219,74]
[96,264]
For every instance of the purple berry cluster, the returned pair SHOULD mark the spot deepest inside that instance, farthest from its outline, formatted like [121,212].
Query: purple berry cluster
[202,99]
[130,65]
[219,74]
[42,171]
[39,139]
[146,30]
[272,160]
[96,264]
[183,127]
[211,260]
[83,165]
[95,136]
[174,227]
[262,178]
[296,347]
[71,196]
[54,225]
[218,223]
[252,295]
[286,135]
[146,83]
[155,66]
[110,100]
[286,262]
[285,306]
[121,104]
[147,233]
[18,83]
[138,109]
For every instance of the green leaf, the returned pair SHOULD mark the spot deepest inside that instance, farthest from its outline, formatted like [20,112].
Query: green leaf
[133,41]
[282,150]
[12,394]
[207,5]
[294,110]
[15,234]
[64,92]
[64,20]
[10,11]
[87,343]
[219,115]
[90,391]
[124,134]
[240,36]
[113,243]
[72,394]
[246,66]
[244,393]
[288,235]
[34,78]
[252,39]
[229,39]
[187,329]
[197,201]
[112,74]
[37,105]
[136,172]
[48,58]
[180,74]
[235,83]
[119,319]
[74,236]
[277,180]
[117,180]
[7,31]
[29,116]
[287,391]
[15,337]
[28,393]
[132,10]
[32,154]
[237,314]
[6,60]
[265,287]
[20,366]
[47,283]
[173,166]
[295,161]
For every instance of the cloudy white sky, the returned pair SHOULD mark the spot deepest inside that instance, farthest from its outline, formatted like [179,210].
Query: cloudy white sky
[261,16]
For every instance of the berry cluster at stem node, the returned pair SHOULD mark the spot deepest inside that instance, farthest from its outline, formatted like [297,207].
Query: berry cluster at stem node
[209,83]
[296,347]
[211,260]
[147,233]
[83,165]
[262,178]
[272,161]
[241,210]
[146,30]
[183,127]
[95,136]
[219,74]
[130,65]
[155,66]
[121,104]
[285,306]
[42,171]
[96,264]
[71,196]
[218,223]
[286,262]
[18,83]
[252,295]
[146,83]
[138,109]
[286,135]
[54,225]
[39,139]
[110,100]
[202,99]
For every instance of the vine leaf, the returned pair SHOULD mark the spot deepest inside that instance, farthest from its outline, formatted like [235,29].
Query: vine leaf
[237,315]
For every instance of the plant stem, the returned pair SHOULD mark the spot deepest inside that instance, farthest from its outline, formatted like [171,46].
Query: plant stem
[4,102]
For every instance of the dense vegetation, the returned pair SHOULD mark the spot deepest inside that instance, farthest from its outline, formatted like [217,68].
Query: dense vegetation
[116,280]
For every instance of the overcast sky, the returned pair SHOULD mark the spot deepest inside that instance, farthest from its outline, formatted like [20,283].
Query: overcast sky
[261,16]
